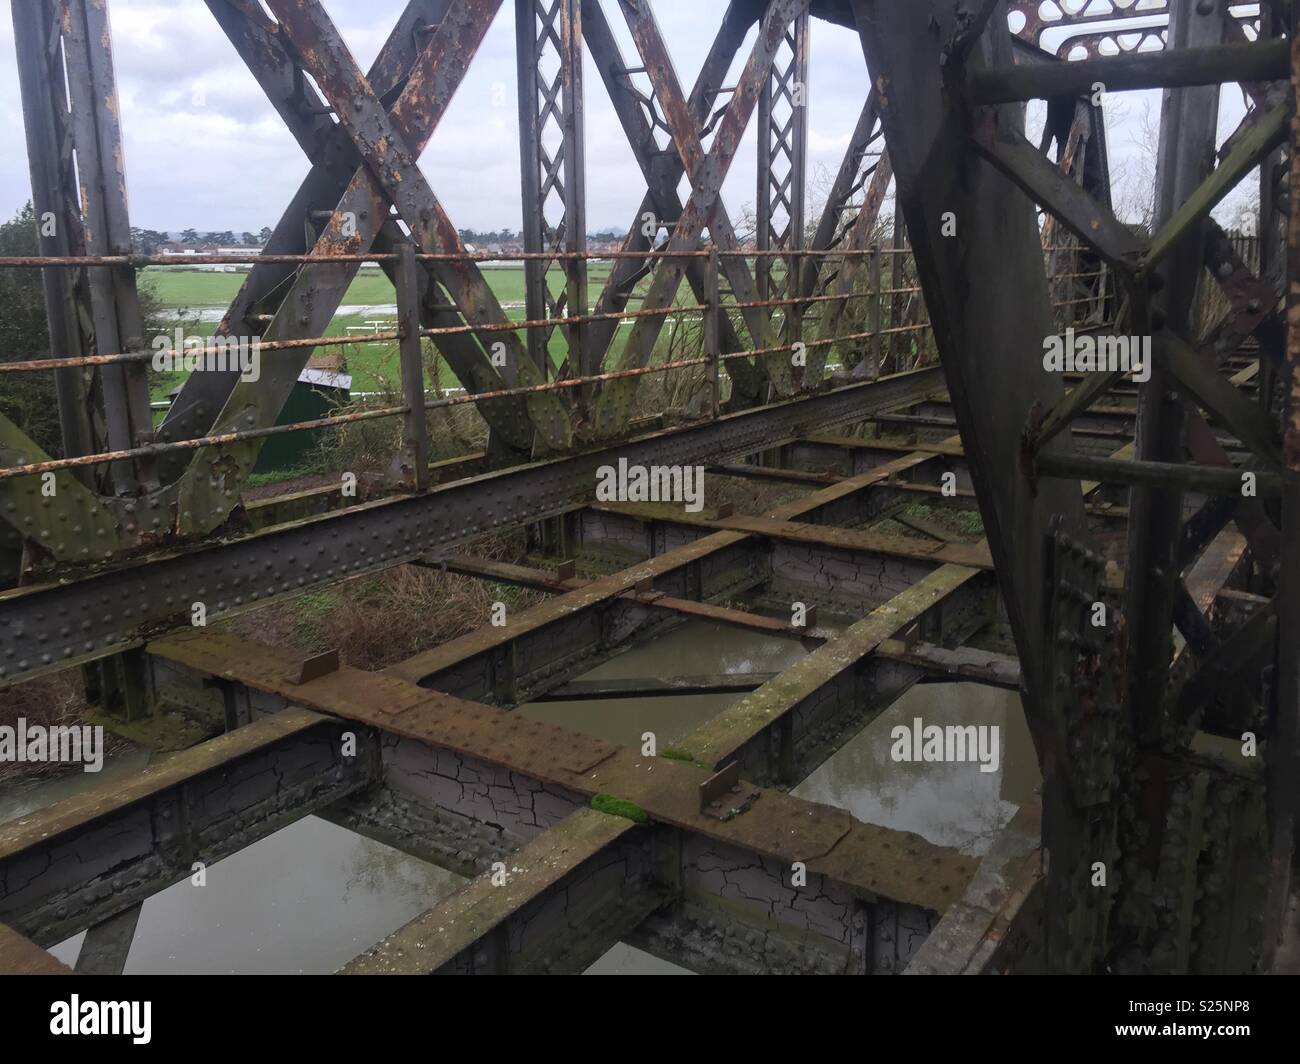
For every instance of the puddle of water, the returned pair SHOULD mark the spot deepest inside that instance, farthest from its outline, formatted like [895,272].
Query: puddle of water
[697,648]
[21,797]
[950,804]
[314,895]
[623,959]
[306,899]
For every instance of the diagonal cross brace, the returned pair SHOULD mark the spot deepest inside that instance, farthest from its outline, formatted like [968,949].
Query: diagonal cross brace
[662,173]
[707,173]
[710,170]
[334,160]
[390,146]
[362,212]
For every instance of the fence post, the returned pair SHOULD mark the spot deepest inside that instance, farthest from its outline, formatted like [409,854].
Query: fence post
[415,441]
[712,330]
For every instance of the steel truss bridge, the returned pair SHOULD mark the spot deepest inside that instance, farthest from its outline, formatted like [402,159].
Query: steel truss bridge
[1093,491]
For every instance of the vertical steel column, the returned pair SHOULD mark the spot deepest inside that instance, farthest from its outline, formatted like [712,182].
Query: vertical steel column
[1283,755]
[898,241]
[58,217]
[712,328]
[550,110]
[414,459]
[115,305]
[1186,152]
[575,187]
[782,162]
[1272,238]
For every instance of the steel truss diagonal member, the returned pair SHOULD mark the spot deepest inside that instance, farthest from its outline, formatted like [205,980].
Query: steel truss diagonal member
[387,144]
[334,159]
[663,170]
[707,173]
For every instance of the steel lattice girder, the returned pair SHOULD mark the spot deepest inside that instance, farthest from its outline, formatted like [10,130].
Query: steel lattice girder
[47,627]
[663,170]
[707,171]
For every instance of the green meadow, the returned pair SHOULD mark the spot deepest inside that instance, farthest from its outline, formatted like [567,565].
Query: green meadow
[192,294]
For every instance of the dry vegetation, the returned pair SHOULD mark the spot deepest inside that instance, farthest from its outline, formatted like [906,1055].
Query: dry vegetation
[375,621]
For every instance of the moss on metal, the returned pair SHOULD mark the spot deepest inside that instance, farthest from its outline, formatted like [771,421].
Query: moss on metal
[607,803]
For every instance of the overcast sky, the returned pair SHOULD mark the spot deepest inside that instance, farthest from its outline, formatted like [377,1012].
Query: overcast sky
[204,149]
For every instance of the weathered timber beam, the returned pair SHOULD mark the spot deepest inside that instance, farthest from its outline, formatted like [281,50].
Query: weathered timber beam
[544,580]
[699,569]
[938,663]
[80,861]
[955,664]
[822,536]
[993,929]
[114,607]
[1259,61]
[19,955]
[828,688]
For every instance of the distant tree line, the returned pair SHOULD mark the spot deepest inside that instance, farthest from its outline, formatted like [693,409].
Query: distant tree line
[28,399]
[151,241]
[509,236]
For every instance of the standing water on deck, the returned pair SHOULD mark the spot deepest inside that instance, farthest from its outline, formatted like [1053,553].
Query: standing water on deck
[307,898]
[311,896]
[953,805]
[950,804]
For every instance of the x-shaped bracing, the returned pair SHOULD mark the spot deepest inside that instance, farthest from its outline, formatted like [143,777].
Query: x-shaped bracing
[387,143]
[706,171]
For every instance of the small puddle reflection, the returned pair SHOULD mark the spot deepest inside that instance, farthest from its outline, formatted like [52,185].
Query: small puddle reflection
[306,899]
[954,805]
[696,648]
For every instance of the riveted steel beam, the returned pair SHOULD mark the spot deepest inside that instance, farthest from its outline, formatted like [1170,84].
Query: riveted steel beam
[71,865]
[50,626]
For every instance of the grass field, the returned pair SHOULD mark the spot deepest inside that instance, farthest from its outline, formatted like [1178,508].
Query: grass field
[196,294]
